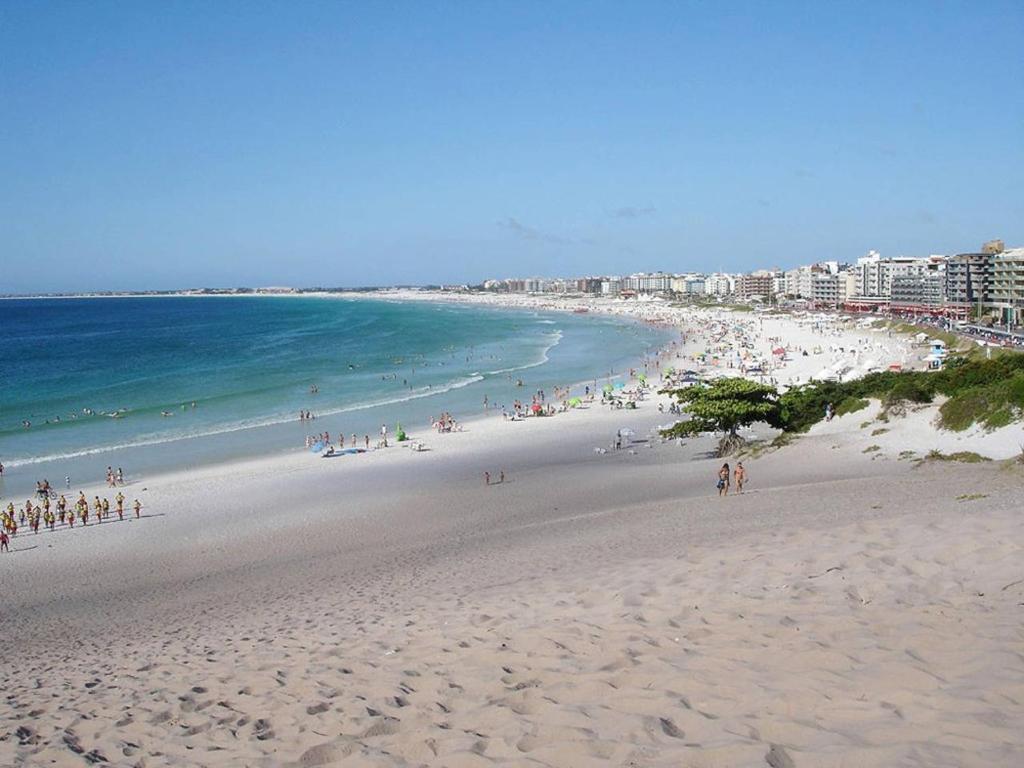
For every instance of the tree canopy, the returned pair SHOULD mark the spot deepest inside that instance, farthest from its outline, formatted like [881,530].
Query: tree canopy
[725,405]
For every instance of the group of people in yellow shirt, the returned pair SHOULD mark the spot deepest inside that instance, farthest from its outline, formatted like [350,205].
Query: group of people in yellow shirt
[40,513]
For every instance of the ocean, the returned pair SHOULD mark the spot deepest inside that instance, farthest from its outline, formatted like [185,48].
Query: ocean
[158,383]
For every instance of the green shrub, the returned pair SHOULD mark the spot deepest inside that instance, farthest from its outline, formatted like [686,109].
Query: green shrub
[994,403]
[851,405]
[966,457]
[912,388]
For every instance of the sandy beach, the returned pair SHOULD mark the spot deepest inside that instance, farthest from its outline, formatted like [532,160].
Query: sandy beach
[599,607]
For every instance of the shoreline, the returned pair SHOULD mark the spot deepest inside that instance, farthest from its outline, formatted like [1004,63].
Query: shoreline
[120,453]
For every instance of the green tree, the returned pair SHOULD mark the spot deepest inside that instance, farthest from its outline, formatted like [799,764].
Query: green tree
[724,406]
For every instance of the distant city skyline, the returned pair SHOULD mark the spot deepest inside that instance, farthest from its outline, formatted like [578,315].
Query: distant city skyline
[163,146]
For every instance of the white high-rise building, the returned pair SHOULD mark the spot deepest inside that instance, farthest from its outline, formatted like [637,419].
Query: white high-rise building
[719,284]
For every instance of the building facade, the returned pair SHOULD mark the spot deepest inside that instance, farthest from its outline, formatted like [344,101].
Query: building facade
[969,280]
[1008,286]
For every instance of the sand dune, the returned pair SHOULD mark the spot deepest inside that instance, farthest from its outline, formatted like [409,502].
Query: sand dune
[890,638]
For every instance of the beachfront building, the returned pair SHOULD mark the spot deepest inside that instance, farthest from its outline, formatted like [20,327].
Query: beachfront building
[719,284]
[688,285]
[799,283]
[968,283]
[611,286]
[791,282]
[755,286]
[828,290]
[654,283]
[1008,286]
[874,275]
[918,294]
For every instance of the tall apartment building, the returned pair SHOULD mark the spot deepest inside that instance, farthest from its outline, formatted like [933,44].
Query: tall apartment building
[755,285]
[1008,285]
[688,284]
[611,286]
[874,275]
[719,284]
[657,282]
[828,289]
[923,292]
[969,280]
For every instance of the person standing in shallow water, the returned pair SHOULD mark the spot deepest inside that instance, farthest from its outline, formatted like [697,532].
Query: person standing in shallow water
[723,480]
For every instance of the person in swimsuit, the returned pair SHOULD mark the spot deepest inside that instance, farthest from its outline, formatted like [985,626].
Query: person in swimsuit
[739,476]
[138,508]
[4,541]
[723,480]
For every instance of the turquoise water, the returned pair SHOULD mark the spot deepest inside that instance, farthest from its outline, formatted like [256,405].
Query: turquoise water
[113,381]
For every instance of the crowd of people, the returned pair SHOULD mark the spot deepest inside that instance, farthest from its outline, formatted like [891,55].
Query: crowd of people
[45,512]
[50,509]
[446,423]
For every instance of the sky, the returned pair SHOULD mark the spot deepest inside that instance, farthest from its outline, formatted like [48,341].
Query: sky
[169,145]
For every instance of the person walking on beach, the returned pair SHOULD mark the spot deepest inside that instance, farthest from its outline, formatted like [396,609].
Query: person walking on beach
[4,541]
[138,508]
[487,478]
[740,476]
[723,480]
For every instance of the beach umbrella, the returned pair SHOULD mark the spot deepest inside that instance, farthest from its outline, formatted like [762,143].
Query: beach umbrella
[536,408]
[608,388]
[575,402]
[619,384]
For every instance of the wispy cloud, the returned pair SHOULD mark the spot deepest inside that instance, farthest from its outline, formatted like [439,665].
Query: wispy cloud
[631,212]
[526,232]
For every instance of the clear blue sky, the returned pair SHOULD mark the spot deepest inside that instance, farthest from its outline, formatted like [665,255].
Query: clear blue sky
[160,145]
